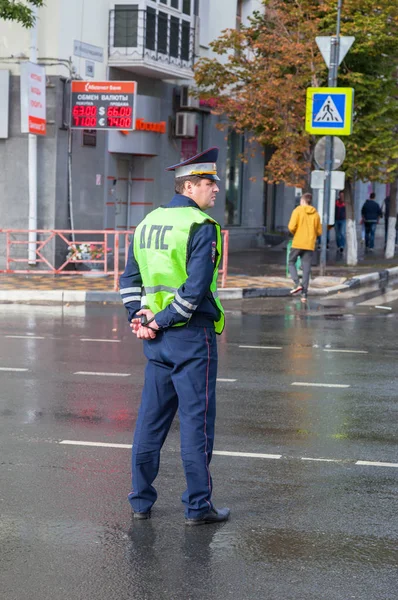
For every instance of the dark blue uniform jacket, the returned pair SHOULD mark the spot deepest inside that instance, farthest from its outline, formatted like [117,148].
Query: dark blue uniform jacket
[195,292]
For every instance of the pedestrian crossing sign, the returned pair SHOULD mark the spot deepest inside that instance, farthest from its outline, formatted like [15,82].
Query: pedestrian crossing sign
[329,111]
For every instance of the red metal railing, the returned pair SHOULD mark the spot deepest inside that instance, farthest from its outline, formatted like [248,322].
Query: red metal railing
[105,251]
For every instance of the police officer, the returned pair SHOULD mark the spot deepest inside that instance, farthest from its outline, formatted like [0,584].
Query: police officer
[169,289]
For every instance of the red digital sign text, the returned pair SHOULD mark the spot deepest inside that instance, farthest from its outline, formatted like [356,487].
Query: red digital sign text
[85,116]
[124,122]
[120,116]
[120,111]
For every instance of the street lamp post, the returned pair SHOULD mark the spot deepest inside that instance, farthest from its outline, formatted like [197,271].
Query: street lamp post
[329,150]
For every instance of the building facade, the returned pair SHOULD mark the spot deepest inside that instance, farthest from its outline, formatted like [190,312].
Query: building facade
[111,180]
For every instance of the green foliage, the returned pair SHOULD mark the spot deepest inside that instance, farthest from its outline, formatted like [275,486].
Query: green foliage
[371,69]
[11,10]
[259,82]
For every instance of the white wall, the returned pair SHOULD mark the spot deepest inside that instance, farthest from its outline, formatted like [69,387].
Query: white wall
[85,21]
[61,22]
[215,16]
[14,40]
[249,6]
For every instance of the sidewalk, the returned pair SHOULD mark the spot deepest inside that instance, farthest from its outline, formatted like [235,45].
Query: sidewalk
[257,272]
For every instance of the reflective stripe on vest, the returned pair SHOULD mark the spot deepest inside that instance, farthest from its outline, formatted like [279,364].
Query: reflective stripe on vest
[161,245]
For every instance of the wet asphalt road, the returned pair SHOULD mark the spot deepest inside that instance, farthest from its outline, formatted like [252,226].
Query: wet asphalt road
[302,528]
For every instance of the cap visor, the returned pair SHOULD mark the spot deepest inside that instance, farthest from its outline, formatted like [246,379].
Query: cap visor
[211,177]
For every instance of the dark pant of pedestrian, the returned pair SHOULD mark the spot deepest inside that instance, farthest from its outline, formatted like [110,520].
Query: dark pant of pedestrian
[370,230]
[340,230]
[181,375]
[306,260]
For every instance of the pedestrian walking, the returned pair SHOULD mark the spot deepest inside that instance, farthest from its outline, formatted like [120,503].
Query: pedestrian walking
[305,225]
[371,213]
[169,289]
[340,222]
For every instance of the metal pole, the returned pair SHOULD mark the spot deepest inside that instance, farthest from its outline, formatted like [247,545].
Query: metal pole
[329,150]
[32,161]
[70,183]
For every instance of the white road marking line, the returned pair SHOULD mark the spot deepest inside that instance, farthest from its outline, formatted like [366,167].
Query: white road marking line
[263,347]
[327,385]
[128,446]
[384,307]
[248,454]
[13,370]
[102,374]
[236,454]
[368,463]
[95,444]
[100,340]
[346,351]
[25,337]
[321,459]
[227,380]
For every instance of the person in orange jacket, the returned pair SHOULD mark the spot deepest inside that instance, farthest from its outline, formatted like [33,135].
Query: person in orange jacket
[305,225]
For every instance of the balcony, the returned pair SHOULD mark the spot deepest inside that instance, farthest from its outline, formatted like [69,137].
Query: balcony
[152,43]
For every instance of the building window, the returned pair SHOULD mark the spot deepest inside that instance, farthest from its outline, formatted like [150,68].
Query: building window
[89,138]
[162,32]
[126,26]
[175,4]
[150,43]
[186,7]
[233,204]
[174,37]
[185,39]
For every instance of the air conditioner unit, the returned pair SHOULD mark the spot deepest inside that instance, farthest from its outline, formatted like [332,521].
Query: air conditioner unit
[187,99]
[185,125]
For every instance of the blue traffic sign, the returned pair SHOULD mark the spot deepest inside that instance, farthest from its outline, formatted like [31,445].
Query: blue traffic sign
[329,111]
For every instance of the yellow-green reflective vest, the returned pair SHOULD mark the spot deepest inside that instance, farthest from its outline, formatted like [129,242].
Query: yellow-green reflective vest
[160,249]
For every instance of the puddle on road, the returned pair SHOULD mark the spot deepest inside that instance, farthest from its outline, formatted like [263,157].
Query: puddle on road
[271,546]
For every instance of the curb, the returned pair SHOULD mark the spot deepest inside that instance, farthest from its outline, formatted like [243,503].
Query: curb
[83,297]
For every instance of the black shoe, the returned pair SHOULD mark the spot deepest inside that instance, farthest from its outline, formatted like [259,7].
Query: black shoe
[215,515]
[141,516]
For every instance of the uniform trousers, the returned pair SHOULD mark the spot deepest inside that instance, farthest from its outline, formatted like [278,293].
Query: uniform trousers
[180,375]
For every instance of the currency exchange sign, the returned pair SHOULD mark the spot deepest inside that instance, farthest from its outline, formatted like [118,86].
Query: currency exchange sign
[103,105]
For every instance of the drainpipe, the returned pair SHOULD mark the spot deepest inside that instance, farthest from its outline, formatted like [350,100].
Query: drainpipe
[32,169]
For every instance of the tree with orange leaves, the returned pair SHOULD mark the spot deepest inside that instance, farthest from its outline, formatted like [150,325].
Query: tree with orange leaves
[265,67]
[270,62]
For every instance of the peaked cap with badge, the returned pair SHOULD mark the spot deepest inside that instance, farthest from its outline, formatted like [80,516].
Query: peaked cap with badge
[202,165]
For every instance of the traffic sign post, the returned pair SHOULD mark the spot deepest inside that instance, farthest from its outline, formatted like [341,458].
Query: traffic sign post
[337,184]
[320,153]
[325,43]
[329,111]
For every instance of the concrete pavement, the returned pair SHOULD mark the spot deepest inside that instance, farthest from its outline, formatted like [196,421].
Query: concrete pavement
[258,272]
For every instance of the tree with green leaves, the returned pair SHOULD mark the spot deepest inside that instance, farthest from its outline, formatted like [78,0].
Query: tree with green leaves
[21,12]
[260,76]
